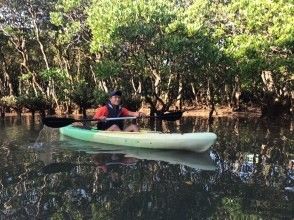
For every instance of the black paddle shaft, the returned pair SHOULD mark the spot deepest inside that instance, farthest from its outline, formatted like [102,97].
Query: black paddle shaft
[55,122]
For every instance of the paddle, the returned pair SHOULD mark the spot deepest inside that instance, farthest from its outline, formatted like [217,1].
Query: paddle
[56,122]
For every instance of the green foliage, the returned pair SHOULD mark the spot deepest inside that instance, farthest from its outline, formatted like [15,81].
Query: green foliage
[133,103]
[69,19]
[127,14]
[82,95]
[107,68]
[56,74]
[255,33]
[68,5]
[100,97]
[56,18]
[26,76]
[10,101]
[155,46]
[195,16]
[34,103]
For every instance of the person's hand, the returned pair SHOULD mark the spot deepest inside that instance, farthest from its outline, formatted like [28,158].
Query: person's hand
[102,118]
[141,114]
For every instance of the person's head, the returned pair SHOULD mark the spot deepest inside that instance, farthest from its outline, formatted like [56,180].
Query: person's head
[115,97]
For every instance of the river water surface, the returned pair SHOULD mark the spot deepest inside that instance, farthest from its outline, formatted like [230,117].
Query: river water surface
[247,174]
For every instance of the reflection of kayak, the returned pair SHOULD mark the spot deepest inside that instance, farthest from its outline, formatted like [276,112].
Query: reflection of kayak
[190,159]
[198,142]
[194,160]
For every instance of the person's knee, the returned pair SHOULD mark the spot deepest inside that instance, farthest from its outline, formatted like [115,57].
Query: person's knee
[116,128]
[113,128]
[133,128]
[136,128]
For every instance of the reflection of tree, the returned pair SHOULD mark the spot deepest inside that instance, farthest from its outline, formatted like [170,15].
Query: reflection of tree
[148,188]
[153,190]
[257,155]
[253,173]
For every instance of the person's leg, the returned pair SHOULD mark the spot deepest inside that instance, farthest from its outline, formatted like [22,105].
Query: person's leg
[132,128]
[113,128]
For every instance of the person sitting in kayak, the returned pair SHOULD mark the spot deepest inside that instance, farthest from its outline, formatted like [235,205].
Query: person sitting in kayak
[113,109]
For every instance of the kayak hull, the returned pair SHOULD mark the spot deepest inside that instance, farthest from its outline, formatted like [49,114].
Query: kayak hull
[198,142]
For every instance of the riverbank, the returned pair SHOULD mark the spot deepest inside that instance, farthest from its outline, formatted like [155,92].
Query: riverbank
[188,112]
[224,112]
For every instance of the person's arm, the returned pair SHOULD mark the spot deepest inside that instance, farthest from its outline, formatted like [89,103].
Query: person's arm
[100,114]
[126,112]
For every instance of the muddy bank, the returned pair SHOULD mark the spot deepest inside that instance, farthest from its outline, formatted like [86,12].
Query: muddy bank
[223,112]
[188,112]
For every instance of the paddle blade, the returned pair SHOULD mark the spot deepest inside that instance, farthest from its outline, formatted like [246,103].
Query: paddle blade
[55,122]
[171,116]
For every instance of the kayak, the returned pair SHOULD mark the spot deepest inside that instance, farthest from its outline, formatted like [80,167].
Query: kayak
[198,142]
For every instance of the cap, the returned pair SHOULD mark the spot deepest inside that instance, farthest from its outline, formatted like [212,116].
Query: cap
[115,92]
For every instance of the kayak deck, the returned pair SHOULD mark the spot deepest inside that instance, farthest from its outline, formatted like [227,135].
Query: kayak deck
[198,142]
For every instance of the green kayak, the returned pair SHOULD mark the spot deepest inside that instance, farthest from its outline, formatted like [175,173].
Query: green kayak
[198,142]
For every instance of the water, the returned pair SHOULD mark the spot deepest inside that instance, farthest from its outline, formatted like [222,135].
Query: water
[248,174]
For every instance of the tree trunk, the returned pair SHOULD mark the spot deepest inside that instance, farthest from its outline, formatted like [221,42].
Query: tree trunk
[273,104]
[168,88]
[227,96]
[42,113]
[195,93]
[180,93]
[84,112]
[69,108]
[50,88]
[7,79]
[2,112]
[18,112]
[51,111]
[94,75]
[210,95]
[237,93]
[268,81]
[33,114]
